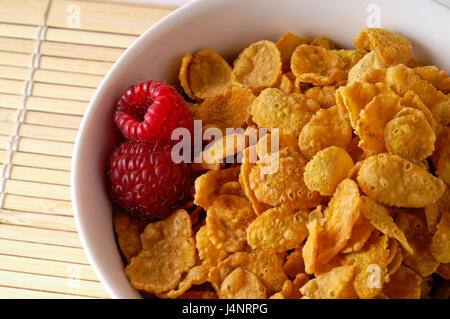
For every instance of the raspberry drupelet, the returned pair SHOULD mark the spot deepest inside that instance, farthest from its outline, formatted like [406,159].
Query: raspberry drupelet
[146,182]
[149,111]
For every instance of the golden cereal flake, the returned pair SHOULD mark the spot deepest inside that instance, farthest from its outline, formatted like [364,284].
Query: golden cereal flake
[394,181]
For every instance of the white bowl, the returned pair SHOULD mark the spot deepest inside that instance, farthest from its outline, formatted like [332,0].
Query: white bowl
[225,26]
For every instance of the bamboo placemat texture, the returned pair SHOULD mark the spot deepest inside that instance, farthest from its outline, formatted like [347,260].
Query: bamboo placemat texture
[53,54]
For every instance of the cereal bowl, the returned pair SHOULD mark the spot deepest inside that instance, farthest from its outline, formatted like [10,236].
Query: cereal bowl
[226,26]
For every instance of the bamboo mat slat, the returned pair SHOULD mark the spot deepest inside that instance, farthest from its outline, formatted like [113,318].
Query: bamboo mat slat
[65,58]
[17,293]
[39,235]
[43,251]
[39,205]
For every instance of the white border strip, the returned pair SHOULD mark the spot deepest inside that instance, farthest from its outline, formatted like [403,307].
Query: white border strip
[13,142]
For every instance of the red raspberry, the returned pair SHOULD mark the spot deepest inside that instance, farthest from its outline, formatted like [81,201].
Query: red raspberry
[149,111]
[146,182]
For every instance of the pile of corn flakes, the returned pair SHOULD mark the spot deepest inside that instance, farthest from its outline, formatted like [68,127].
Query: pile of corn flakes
[358,206]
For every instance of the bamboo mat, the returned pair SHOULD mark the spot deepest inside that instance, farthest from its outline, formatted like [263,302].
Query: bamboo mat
[53,54]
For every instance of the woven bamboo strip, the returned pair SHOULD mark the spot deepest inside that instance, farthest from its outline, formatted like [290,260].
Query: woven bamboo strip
[53,284]
[18,31]
[67,50]
[68,36]
[89,52]
[47,133]
[17,45]
[11,86]
[45,147]
[38,160]
[31,11]
[74,65]
[52,119]
[6,128]
[55,105]
[42,251]
[19,293]
[127,18]
[68,78]
[45,267]
[40,175]
[39,235]
[62,91]
[38,205]
[49,191]
[7,115]
[89,37]
[15,59]
[45,221]
[49,76]
[13,72]
[10,101]
[4,141]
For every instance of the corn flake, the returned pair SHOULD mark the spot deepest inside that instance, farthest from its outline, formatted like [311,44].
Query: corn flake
[286,85]
[283,183]
[207,252]
[391,47]
[361,232]
[127,231]
[372,122]
[327,127]
[339,218]
[410,135]
[231,188]
[242,284]
[440,246]
[227,146]
[368,69]
[438,78]
[441,155]
[227,220]
[422,261]
[168,252]
[196,276]
[259,66]
[335,284]
[274,108]
[183,75]
[277,229]
[327,169]
[324,96]
[286,45]
[208,74]
[411,99]
[244,180]
[379,217]
[318,66]
[207,186]
[401,79]
[356,96]
[444,271]
[433,212]
[294,264]
[323,43]
[394,181]
[370,266]
[403,284]
[228,109]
